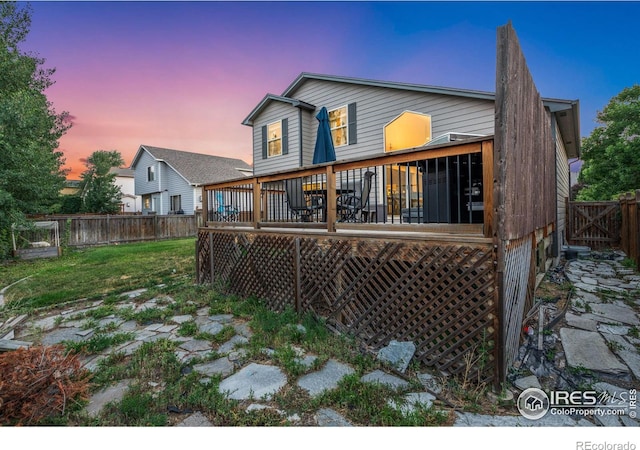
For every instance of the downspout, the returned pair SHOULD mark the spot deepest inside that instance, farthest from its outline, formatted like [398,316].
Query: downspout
[300,136]
[160,187]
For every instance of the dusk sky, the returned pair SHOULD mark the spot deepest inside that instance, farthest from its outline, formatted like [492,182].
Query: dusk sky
[184,75]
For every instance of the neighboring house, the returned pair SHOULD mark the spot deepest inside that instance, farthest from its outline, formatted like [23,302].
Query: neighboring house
[169,181]
[71,187]
[371,117]
[125,179]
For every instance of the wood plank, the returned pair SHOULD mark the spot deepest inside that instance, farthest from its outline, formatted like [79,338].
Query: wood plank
[8,345]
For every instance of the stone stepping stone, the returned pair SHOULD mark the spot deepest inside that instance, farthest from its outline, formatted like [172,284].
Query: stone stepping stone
[616,313]
[45,324]
[107,395]
[129,348]
[380,377]
[211,328]
[327,417]
[256,381]
[134,294]
[581,322]
[482,420]
[167,328]
[143,335]
[109,320]
[243,330]
[307,361]
[203,311]
[613,329]
[397,354]
[527,382]
[430,382]
[157,337]
[588,349]
[62,334]
[259,407]
[412,401]
[196,419]
[232,343]
[182,319]
[91,364]
[196,345]
[632,360]
[221,318]
[585,287]
[325,379]
[221,366]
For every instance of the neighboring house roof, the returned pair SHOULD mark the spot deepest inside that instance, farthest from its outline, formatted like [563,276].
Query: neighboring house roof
[568,119]
[197,168]
[124,172]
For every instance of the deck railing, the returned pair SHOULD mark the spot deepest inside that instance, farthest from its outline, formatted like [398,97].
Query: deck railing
[445,188]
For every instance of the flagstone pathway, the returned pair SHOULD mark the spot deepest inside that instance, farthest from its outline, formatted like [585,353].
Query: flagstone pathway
[599,333]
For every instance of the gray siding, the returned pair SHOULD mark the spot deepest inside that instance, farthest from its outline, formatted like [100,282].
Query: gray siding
[376,107]
[563,185]
[273,112]
[141,185]
[176,185]
[166,184]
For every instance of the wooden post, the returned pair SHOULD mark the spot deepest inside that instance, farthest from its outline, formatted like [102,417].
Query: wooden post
[297,276]
[205,208]
[257,204]
[331,199]
[487,186]
[211,265]
[198,275]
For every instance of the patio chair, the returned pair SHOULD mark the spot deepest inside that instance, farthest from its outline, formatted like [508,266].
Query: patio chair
[224,212]
[300,204]
[350,206]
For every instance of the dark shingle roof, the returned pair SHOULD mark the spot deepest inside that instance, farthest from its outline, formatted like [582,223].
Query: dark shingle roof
[198,168]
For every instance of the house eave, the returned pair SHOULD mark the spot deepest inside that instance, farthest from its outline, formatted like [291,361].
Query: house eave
[275,98]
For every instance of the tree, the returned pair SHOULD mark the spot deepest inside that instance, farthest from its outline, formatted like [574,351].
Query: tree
[98,191]
[31,174]
[611,154]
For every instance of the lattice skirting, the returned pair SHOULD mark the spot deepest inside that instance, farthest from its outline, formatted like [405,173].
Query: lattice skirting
[441,296]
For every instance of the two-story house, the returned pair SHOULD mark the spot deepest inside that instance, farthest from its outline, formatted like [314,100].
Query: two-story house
[369,117]
[169,181]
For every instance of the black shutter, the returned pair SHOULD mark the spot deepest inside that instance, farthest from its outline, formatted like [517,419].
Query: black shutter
[353,129]
[264,142]
[285,136]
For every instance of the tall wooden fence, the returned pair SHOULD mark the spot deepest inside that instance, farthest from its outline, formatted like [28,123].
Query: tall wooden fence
[87,230]
[594,224]
[630,228]
[524,189]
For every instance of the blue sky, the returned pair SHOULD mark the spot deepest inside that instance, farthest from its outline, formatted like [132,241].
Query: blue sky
[185,74]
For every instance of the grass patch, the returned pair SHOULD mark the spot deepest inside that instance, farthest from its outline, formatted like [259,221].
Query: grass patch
[95,271]
[98,343]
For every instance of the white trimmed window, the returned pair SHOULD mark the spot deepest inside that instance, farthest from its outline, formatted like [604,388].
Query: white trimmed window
[151,173]
[274,139]
[339,126]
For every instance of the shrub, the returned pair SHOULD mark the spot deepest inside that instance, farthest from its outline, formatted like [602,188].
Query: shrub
[39,382]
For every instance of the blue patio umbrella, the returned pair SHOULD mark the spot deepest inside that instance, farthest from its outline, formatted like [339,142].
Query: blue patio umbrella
[324,151]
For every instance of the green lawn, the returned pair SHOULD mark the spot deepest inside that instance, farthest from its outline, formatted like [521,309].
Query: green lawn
[94,272]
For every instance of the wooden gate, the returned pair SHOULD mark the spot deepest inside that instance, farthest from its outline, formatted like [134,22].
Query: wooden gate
[594,224]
